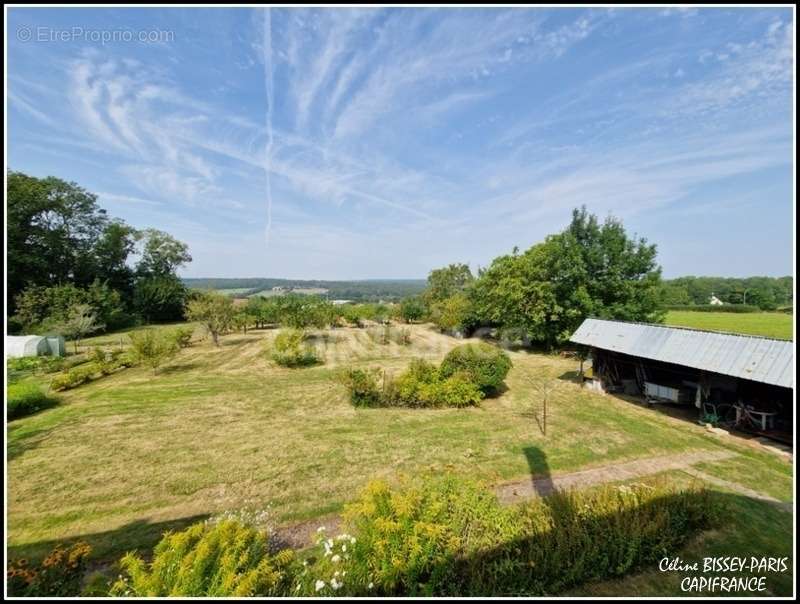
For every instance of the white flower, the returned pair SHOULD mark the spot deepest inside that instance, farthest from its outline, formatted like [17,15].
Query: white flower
[319,584]
[371,585]
[335,558]
[320,529]
[336,584]
[344,547]
[352,540]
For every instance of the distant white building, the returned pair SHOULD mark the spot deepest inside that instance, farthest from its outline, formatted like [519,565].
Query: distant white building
[714,301]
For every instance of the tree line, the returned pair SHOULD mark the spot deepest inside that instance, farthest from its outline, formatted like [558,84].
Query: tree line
[542,295]
[69,266]
[766,293]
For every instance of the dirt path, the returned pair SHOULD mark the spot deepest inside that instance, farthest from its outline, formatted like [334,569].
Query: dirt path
[513,492]
[302,534]
[738,488]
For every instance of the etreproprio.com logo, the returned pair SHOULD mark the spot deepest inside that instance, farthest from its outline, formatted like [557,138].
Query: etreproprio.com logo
[97,36]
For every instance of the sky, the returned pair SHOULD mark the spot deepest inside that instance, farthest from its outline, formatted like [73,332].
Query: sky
[383,143]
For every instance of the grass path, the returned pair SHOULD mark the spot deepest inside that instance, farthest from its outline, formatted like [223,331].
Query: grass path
[301,534]
[524,489]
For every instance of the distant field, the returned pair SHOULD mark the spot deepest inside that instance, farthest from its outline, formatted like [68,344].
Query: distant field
[770,324]
[233,291]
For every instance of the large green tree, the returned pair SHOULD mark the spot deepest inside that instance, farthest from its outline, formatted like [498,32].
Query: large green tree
[52,228]
[589,269]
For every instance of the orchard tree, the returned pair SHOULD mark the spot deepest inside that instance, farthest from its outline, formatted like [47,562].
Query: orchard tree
[412,309]
[80,323]
[214,311]
[153,348]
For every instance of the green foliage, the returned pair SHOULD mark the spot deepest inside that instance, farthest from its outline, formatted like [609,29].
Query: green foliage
[363,386]
[263,311]
[58,575]
[214,311]
[226,558]
[588,269]
[161,255]
[484,364]
[291,350]
[303,312]
[63,250]
[447,282]
[451,314]
[160,298]
[421,385]
[412,309]
[46,309]
[25,398]
[39,365]
[104,362]
[80,323]
[152,347]
[451,537]
[730,308]
[183,336]
[766,293]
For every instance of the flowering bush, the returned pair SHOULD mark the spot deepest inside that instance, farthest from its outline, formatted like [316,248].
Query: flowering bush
[434,536]
[59,574]
[224,558]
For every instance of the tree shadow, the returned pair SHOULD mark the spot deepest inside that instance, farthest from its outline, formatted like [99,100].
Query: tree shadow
[177,368]
[108,546]
[541,480]
[26,440]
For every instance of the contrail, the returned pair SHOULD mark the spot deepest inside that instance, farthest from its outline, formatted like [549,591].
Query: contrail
[267,47]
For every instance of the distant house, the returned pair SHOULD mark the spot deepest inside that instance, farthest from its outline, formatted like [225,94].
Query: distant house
[714,301]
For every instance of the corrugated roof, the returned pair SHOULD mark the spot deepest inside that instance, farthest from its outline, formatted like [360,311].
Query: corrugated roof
[750,357]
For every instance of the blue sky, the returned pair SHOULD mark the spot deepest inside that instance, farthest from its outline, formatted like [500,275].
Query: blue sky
[340,144]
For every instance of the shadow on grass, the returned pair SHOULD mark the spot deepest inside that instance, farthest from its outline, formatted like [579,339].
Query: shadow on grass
[109,546]
[177,368]
[20,440]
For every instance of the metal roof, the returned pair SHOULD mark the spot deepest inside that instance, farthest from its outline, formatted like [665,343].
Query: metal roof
[749,357]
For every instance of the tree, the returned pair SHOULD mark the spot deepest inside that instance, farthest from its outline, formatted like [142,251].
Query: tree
[111,252]
[412,309]
[451,313]
[445,282]
[42,308]
[160,298]
[153,348]
[588,269]
[622,277]
[51,231]
[80,323]
[161,253]
[214,311]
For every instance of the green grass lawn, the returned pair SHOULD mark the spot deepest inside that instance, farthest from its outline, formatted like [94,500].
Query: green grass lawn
[129,455]
[770,324]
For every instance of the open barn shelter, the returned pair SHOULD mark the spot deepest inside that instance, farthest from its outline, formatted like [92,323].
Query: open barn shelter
[727,377]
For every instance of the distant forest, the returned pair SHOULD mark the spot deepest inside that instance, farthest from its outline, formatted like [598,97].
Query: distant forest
[371,290]
[767,293]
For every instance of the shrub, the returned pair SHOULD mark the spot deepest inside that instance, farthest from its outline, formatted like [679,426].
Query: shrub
[25,398]
[423,385]
[183,336]
[58,575]
[152,348]
[363,387]
[486,365]
[74,377]
[225,558]
[290,349]
[447,537]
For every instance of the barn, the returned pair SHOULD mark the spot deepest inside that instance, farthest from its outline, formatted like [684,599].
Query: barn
[736,381]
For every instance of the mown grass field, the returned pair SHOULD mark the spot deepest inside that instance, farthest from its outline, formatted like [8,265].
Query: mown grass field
[132,454]
[769,324]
